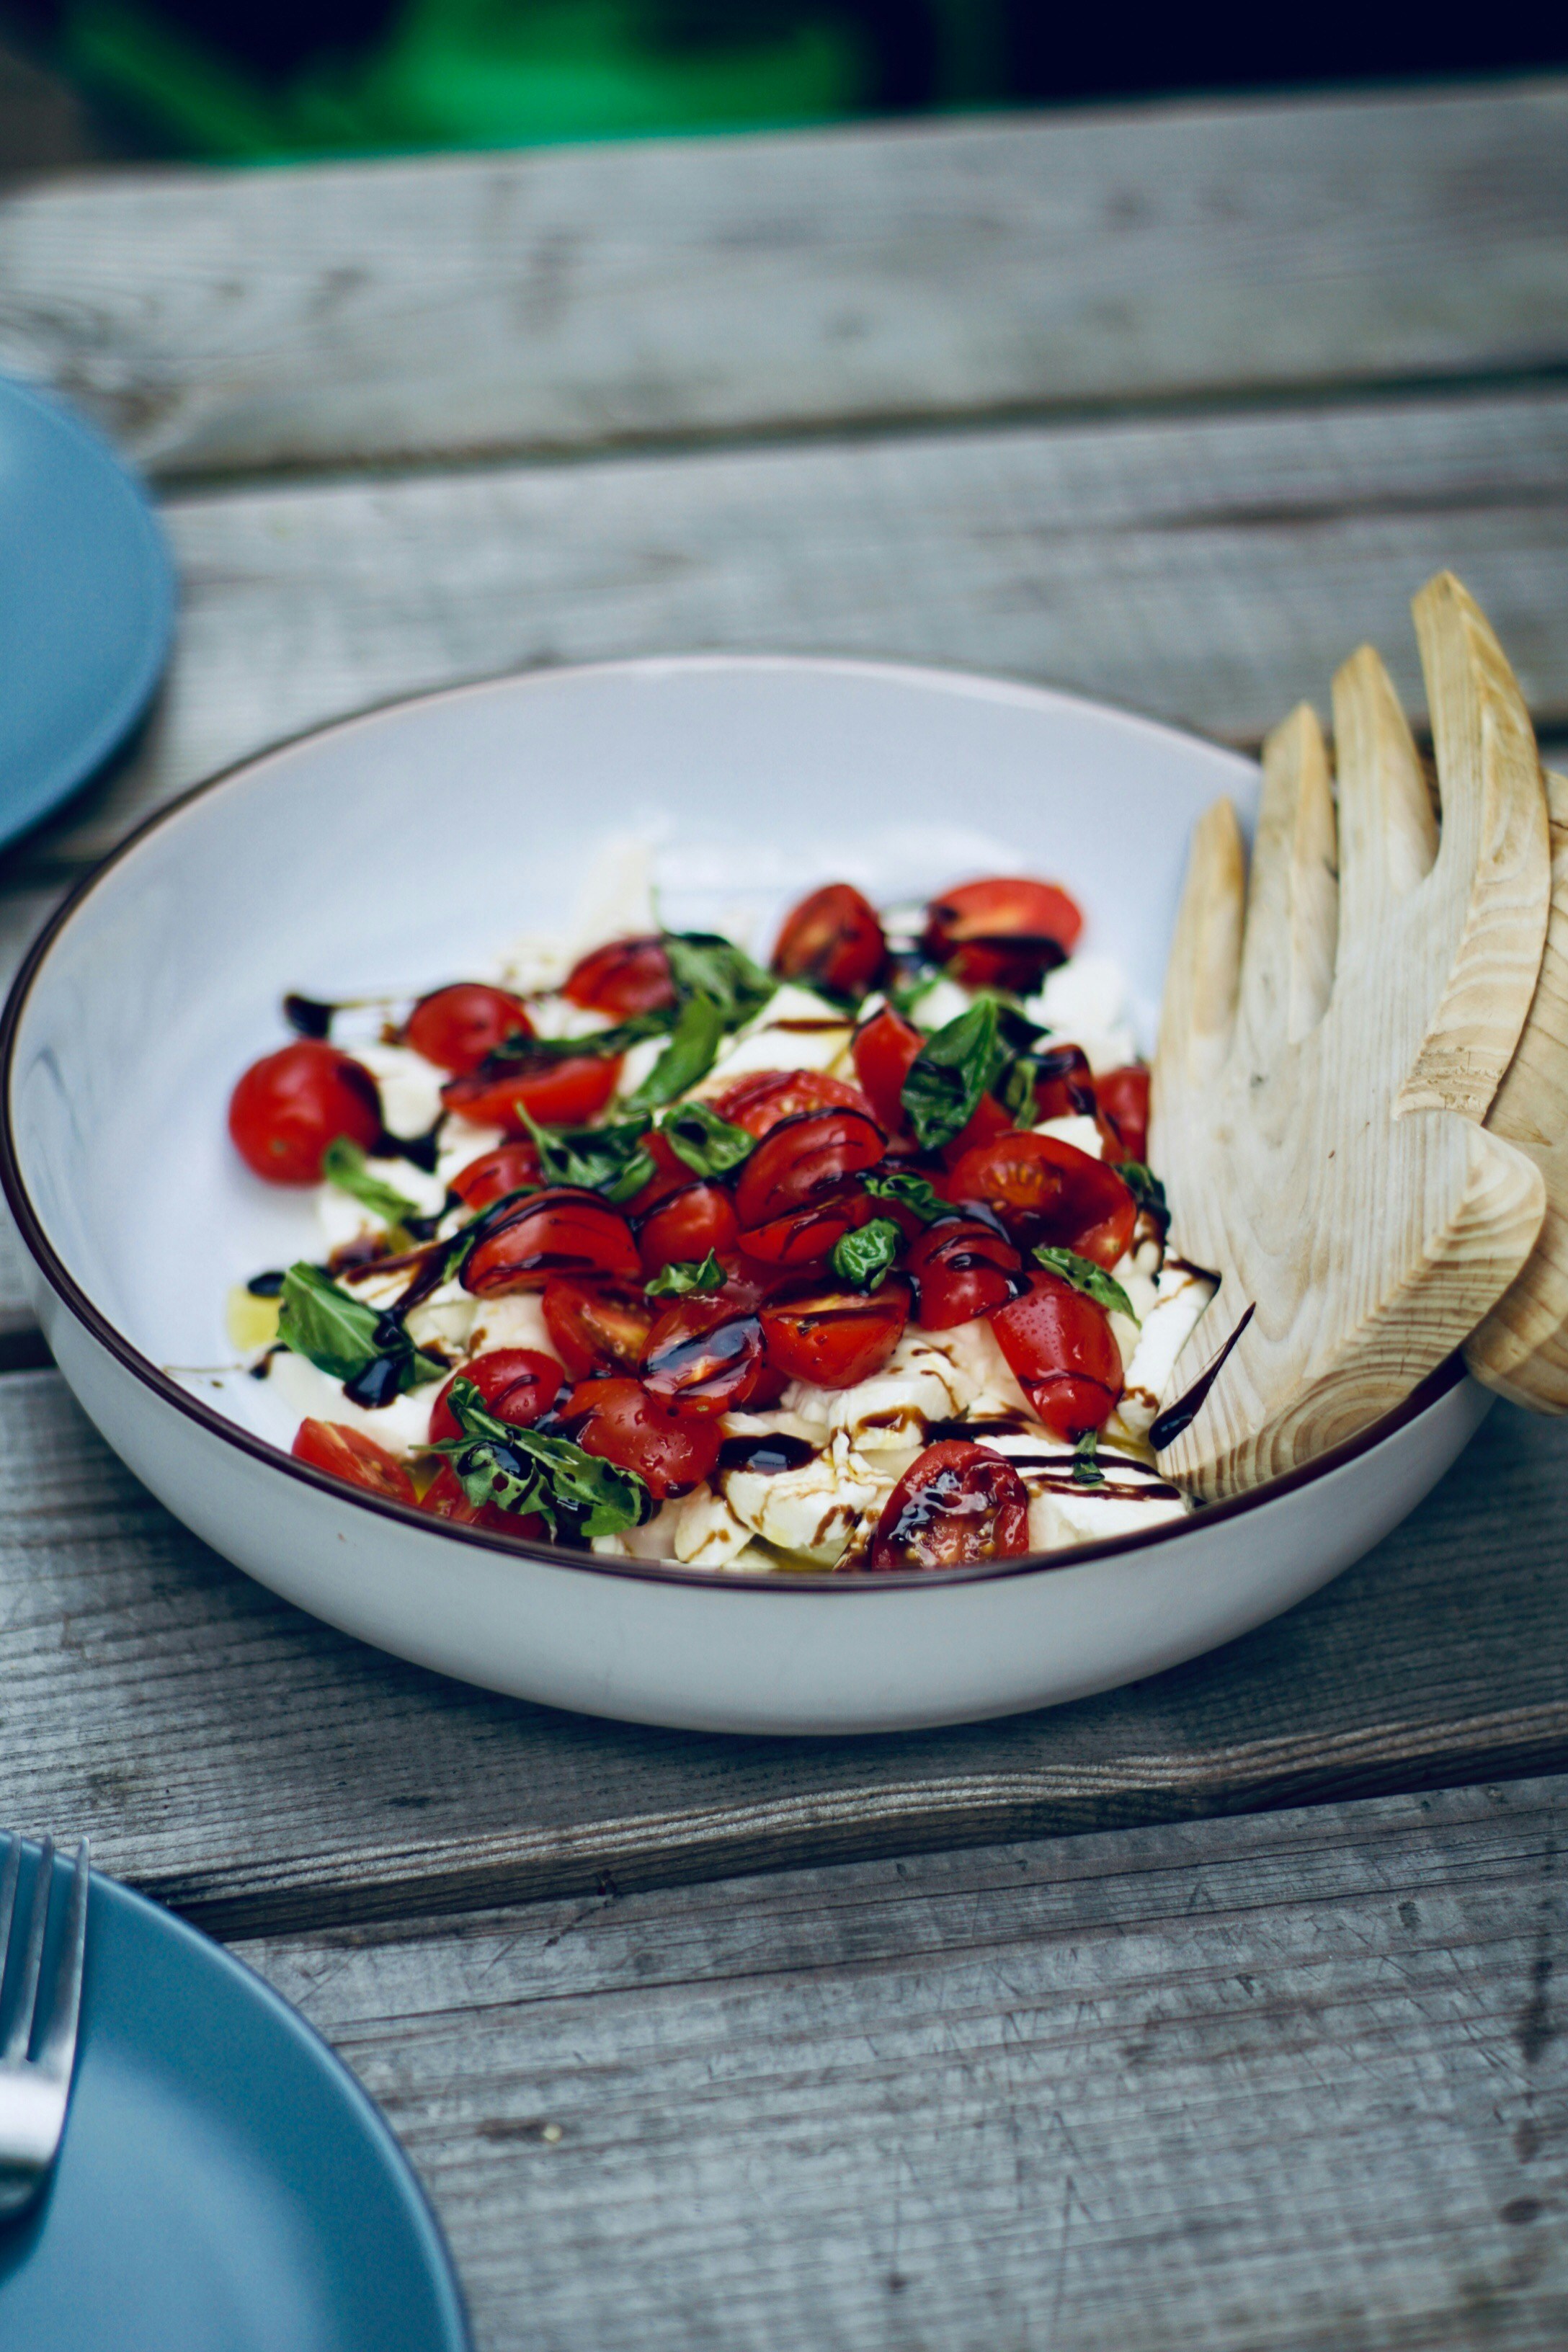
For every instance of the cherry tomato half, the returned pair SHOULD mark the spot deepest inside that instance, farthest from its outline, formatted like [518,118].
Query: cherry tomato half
[961,1269]
[289,1105]
[835,1338]
[1064,1352]
[704,1356]
[802,1158]
[1064,1088]
[596,1327]
[518,1384]
[1051,1192]
[457,1026]
[347,1454]
[761,1100]
[507,1168]
[833,938]
[1002,932]
[559,1230]
[986,1120]
[566,1093]
[625,977]
[808,1236]
[622,1423]
[956,1505]
[884,1050]
[685,1225]
[1124,1098]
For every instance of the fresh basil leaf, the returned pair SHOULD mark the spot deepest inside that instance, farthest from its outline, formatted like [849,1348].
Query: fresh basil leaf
[527,1470]
[681,1276]
[702,963]
[711,1146]
[1016,1095]
[950,1074]
[630,1032]
[1145,1188]
[910,1191]
[862,1257]
[343,1335]
[344,1164]
[689,1054]
[1085,1276]
[1086,1469]
[613,1161]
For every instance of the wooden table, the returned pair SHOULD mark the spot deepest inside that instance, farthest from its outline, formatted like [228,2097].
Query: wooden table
[1219,2012]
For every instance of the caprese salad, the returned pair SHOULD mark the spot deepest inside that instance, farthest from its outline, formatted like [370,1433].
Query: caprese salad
[851,1263]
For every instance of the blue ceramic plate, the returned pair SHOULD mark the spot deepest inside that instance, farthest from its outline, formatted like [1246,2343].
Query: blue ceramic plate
[87,605]
[225,2185]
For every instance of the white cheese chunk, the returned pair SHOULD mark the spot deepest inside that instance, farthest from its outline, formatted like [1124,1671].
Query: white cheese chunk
[942,1002]
[1076,1129]
[462,1140]
[707,1532]
[764,1045]
[410,1086]
[514,1320]
[1060,1516]
[402,1427]
[638,1064]
[1181,1295]
[813,1511]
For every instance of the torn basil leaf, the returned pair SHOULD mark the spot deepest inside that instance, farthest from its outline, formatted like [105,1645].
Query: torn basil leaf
[862,1257]
[910,1191]
[681,1276]
[1016,1093]
[344,1164]
[613,1161]
[1146,1189]
[711,1146]
[693,1044]
[1086,1469]
[602,1042]
[703,963]
[1085,1276]
[343,1336]
[950,1074]
[525,1470]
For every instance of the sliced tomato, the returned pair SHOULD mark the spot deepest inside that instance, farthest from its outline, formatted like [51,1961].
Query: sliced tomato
[1003,932]
[685,1225]
[808,1236]
[985,1121]
[625,976]
[564,1093]
[444,1498]
[559,1230]
[1048,1191]
[289,1105]
[955,1505]
[803,1158]
[349,1455]
[884,1050]
[1063,1086]
[961,1269]
[518,1384]
[704,1356]
[833,938]
[622,1422]
[596,1327]
[458,1027]
[1124,1098]
[671,1174]
[493,1174]
[1062,1349]
[759,1102]
[835,1338]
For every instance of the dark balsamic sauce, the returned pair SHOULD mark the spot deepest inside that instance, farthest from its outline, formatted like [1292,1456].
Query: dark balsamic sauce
[766,1455]
[1186,1409]
[421,1152]
[377,1385]
[308,1016]
[266,1285]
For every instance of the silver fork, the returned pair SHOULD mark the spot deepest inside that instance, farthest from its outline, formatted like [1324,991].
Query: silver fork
[34,2091]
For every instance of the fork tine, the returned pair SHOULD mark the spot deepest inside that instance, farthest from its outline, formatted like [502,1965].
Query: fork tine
[58,2051]
[8,1895]
[1388,828]
[1292,900]
[37,1918]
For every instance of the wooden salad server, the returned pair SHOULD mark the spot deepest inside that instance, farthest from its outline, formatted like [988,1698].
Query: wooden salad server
[1330,1043]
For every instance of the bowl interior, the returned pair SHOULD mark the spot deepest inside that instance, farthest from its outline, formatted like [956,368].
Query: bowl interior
[415,844]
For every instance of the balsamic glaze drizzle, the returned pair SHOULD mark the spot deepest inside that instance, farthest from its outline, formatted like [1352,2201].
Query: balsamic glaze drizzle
[1186,1409]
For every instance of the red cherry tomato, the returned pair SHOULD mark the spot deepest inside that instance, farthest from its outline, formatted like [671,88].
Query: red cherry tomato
[961,1270]
[808,1236]
[1124,1098]
[596,1327]
[1064,1088]
[986,1120]
[622,1423]
[444,1498]
[685,1225]
[518,1384]
[884,1050]
[1062,1347]
[457,1026]
[565,1093]
[704,1356]
[289,1105]
[347,1454]
[835,1338]
[1051,1192]
[672,1175]
[761,1100]
[956,1505]
[560,1231]
[493,1174]
[1003,932]
[833,938]
[626,976]
[802,1158]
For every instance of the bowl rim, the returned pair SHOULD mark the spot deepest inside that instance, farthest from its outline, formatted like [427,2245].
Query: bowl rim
[167,1391]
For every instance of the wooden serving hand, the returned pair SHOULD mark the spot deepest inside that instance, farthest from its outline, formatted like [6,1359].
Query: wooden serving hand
[1331,1042]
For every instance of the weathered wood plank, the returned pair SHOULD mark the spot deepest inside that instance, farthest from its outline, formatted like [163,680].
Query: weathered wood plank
[1210,571]
[568,300]
[1296,2085]
[254,1768]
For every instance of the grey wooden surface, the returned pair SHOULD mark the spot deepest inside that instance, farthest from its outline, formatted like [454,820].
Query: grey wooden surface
[1171,405]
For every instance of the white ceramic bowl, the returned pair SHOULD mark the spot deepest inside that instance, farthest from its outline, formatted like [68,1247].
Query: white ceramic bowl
[405,847]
